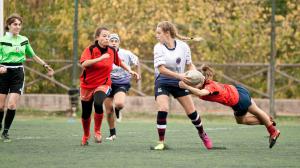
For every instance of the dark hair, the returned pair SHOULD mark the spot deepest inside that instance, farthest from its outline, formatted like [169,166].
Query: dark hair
[207,71]
[11,19]
[99,30]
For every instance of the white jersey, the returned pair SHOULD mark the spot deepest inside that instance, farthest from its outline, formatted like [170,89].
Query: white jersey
[118,74]
[173,59]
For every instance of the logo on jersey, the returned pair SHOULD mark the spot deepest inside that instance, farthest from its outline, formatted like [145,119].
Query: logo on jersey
[17,49]
[178,60]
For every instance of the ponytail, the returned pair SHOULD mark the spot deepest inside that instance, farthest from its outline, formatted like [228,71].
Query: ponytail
[167,26]
[207,71]
[184,38]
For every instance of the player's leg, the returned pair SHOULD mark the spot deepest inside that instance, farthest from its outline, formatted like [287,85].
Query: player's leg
[99,97]
[13,99]
[119,101]
[4,89]
[15,84]
[110,117]
[86,97]
[248,119]
[2,105]
[265,119]
[190,110]
[162,102]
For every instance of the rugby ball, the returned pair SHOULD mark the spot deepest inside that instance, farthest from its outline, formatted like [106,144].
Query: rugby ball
[195,77]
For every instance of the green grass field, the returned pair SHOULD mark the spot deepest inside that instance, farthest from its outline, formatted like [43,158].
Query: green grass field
[53,142]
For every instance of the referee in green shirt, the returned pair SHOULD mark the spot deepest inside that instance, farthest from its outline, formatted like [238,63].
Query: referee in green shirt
[13,51]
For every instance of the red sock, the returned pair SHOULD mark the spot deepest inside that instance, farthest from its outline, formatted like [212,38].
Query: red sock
[86,126]
[98,122]
[271,129]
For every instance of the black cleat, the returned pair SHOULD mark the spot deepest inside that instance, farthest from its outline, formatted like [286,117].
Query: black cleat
[5,137]
[273,138]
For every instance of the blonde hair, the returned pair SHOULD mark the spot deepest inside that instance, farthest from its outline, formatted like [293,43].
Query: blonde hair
[167,26]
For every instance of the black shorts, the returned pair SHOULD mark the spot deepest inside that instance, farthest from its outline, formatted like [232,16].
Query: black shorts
[115,88]
[167,90]
[241,108]
[12,81]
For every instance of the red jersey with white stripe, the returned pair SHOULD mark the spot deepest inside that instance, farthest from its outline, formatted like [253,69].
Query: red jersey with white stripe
[98,73]
[221,93]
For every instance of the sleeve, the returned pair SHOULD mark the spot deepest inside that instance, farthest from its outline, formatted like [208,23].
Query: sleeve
[86,55]
[159,57]
[117,60]
[28,50]
[188,54]
[212,88]
[134,60]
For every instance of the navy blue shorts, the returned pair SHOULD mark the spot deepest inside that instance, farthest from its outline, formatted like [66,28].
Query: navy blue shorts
[241,108]
[115,88]
[167,90]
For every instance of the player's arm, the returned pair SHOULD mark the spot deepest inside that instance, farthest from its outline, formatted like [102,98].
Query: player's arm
[195,91]
[90,62]
[44,64]
[165,71]
[180,76]
[127,68]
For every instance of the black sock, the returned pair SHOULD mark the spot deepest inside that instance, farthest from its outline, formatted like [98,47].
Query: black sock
[112,131]
[1,118]
[9,117]
[117,111]
[196,120]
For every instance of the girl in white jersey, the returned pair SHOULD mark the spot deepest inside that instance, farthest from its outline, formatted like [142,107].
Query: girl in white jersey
[171,58]
[120,85]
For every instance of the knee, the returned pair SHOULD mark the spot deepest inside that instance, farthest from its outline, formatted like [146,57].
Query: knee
[11,106]
[109,110]
[240,121]
[119,105]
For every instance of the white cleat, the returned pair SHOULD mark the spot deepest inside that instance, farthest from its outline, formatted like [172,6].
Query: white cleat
[112,138]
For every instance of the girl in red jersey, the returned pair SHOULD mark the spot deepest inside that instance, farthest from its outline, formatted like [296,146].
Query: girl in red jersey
[95,81]
[236,97]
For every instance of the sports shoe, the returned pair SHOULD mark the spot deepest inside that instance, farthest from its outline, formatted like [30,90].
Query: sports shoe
[206,141]
[98,137]
[84,140]
[111,138]
[5,137]
[273,138]
[160,146]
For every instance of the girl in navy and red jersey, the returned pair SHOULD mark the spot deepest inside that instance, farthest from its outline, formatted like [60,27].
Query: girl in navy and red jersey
[95,83]
[237,97]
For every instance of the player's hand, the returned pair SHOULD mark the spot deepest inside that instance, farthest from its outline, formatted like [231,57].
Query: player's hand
[135,75]
[50,71]
[185,79]
[3,70]
[183,85]
[104,56]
